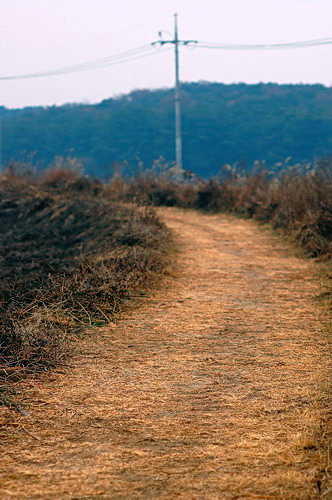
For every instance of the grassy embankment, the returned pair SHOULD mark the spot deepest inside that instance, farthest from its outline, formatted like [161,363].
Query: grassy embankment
[70,257]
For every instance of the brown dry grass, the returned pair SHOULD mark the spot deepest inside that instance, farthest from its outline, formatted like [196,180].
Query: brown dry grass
[69,257]
[297,201]
[217,387]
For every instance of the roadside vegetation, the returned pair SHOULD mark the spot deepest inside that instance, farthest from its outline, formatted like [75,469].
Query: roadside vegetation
[296,201]
[70,257]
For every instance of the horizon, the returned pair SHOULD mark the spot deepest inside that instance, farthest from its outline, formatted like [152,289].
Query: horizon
[170,88]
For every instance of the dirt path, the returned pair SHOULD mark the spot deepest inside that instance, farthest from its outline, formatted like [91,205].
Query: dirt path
[213,389]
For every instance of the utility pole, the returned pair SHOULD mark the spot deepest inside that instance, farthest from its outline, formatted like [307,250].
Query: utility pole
[0,143]
[178,130]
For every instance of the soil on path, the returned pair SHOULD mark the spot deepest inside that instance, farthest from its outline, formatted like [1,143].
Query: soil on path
[214,388]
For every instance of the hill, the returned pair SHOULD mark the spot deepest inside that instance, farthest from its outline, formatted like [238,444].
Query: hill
[221,124]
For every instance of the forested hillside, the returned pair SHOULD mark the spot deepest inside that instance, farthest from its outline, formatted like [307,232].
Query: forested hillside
[221,124]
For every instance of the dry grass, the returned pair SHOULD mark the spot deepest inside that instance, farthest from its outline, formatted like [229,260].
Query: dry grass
[297,202]
[216,387]
[70,258]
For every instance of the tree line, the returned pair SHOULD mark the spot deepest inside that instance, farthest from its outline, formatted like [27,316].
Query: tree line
[222,124]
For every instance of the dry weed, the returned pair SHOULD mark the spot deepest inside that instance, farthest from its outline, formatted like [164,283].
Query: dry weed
[69,257]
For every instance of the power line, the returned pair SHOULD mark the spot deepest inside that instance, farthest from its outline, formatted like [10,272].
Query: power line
[266,46]
[145,50]
[122,57]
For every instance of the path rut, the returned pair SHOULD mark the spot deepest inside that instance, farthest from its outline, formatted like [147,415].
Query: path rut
[214,388]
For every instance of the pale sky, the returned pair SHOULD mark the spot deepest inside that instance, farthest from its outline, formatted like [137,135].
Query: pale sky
[42,35]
